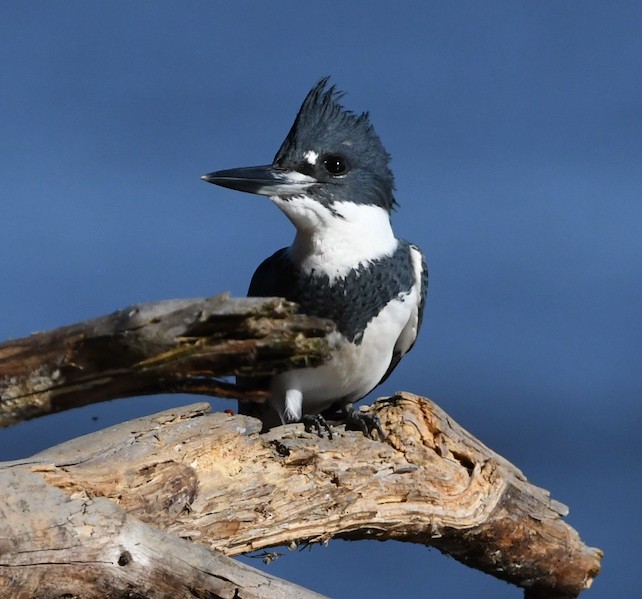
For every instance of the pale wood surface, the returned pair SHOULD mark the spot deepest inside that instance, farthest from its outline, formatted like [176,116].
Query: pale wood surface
[214,479]
[56,544]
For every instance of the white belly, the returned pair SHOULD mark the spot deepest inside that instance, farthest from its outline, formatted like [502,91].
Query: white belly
[352,371]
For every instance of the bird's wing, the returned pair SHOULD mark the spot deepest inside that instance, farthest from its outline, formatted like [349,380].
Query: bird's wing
[271,277]
[409,333]
[268,281]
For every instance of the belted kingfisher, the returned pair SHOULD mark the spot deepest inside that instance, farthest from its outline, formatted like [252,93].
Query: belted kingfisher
[332,180]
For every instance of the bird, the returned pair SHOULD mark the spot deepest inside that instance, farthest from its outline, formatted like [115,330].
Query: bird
[332,179]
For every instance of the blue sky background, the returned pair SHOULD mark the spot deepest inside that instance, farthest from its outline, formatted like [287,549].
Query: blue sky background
[516,135]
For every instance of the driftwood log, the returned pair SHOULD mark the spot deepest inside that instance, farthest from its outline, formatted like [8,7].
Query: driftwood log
[153,507]
[173,346]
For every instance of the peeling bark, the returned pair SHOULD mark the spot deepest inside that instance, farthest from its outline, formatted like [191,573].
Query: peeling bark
[174,346]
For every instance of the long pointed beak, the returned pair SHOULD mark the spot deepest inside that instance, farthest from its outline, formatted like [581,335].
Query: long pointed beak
[263,180]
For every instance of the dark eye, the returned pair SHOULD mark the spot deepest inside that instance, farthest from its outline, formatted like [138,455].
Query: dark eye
[336,165]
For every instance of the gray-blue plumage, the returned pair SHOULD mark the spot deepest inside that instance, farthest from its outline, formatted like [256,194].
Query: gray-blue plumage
[331,178]
[322,124]
[352,301]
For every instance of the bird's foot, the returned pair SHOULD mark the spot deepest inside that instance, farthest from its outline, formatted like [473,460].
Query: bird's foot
[316,423]
[363,421]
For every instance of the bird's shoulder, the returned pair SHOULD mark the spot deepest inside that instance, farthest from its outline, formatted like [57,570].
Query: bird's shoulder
[273,277]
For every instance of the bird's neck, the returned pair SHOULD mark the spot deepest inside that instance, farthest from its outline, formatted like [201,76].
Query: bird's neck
[349,235]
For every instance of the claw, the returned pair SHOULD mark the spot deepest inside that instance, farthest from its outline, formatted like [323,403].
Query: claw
[367,423]
[318,423]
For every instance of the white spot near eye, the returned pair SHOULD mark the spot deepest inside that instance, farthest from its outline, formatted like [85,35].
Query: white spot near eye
[311,156]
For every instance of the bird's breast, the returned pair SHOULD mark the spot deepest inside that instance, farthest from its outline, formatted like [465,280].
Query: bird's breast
[354,369]
[355,299]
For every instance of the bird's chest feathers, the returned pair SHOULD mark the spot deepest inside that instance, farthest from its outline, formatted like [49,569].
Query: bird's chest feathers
[345,263]
[352,300]
[332,240]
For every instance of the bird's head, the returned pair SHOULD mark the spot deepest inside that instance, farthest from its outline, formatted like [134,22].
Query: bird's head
[330,156]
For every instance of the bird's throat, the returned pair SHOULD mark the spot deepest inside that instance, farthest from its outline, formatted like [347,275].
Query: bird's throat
[334,241]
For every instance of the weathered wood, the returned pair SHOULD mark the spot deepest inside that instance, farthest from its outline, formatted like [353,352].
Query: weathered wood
[176,346]
[56,544]
[214,479]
